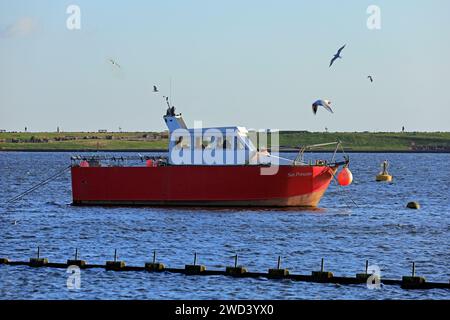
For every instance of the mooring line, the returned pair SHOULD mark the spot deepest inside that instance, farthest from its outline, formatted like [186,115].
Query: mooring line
[40,184]
[339,189]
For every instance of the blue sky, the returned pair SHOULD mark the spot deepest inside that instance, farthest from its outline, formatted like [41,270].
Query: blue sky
[259,64]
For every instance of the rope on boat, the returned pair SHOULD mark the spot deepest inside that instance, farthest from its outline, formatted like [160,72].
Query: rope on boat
[40,184]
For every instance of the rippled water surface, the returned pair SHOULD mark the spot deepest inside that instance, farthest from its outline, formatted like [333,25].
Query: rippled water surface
[379,229]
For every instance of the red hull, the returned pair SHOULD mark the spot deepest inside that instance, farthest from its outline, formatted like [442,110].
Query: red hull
[200,185]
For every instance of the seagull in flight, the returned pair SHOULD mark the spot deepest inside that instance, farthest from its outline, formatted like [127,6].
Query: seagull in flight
[337,55]
[324,103]
[370,78]
[114,63]
[155,89]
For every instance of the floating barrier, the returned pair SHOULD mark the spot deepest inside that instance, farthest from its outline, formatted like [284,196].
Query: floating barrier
[322,276]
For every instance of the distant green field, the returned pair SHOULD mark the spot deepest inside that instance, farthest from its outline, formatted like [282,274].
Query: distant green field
[355,141]
[81,141]
[371,141]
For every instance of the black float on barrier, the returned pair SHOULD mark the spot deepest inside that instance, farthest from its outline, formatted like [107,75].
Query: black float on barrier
[38,261]
[154,266]
[236,270]
[75,261]
[194,268]
[413,281]
[278,273]
[115,265]
[321,276]
[363,276]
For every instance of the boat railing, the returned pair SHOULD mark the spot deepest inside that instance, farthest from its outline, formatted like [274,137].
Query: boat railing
[97,160]
[300,158]
[160,160]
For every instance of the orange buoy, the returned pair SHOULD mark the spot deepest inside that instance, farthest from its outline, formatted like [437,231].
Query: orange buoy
[345,177]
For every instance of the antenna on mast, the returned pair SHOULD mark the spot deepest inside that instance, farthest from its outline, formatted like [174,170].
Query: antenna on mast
[170,87]
[167,101]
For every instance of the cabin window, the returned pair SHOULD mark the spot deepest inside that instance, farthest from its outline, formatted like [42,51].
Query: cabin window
[198,143]
[181,142]
[218,142]
[207,142]
[213,142]
[228,143]
[239,144]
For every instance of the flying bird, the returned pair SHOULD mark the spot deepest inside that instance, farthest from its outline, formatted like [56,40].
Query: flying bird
[337,55]
[155,89]
[324,103]
[370,78]
[114,63]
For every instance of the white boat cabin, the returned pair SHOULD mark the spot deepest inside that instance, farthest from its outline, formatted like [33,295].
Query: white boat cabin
[211,146]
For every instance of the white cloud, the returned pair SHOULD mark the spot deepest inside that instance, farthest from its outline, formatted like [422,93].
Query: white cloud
[21,27]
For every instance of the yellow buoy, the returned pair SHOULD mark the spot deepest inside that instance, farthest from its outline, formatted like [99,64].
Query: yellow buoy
[384,175]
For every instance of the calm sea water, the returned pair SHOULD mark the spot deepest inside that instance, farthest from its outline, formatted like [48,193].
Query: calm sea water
[379,229]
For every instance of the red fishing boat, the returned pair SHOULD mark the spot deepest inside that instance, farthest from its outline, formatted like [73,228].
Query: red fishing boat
[205,167]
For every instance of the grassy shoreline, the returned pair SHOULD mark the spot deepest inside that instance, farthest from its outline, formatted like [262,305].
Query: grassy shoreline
[158,142]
